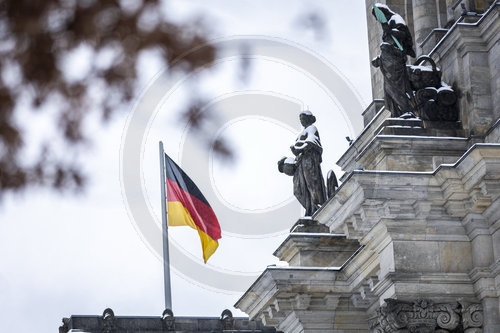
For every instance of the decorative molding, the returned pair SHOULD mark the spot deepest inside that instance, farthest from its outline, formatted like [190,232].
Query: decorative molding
[425,316]
[472,317]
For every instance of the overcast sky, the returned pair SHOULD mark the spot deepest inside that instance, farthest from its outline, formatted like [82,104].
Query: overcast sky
[64,255]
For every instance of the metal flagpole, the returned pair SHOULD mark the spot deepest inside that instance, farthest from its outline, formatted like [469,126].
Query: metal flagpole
[164,220]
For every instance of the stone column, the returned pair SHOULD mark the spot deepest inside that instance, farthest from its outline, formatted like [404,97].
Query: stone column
[477,228]
[491,315]
[442,13]
[374,40]
[477,104]
[452,13]
[425,18]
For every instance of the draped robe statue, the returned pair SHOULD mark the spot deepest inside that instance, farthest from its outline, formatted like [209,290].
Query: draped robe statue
[398,95]
[308,183]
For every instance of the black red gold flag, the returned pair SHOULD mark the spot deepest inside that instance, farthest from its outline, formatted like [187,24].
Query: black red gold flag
[186,206]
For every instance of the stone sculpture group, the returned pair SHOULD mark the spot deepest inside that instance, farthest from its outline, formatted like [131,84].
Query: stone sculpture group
[410,90]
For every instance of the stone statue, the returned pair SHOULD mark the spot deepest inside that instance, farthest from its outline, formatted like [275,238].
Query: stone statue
[227,320]
[308,183]
[168,320]
[396,46]
[331,184]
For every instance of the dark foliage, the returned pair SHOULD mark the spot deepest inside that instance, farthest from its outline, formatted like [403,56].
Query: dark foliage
[36,35]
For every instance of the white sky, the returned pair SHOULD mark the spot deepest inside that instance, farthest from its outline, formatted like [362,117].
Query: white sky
[63,255]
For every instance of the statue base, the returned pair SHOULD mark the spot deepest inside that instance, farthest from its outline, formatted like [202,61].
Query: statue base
[307,224]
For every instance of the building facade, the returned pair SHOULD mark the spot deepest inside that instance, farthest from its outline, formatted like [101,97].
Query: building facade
[410,242]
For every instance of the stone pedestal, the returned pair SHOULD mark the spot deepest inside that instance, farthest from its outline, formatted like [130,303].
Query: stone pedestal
[316,249]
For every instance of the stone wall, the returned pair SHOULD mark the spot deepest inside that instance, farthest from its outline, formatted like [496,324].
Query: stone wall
[468,56]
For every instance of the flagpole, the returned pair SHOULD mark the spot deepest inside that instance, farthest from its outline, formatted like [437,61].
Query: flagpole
[164,220]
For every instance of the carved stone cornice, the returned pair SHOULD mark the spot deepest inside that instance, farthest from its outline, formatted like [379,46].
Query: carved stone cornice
[424,316]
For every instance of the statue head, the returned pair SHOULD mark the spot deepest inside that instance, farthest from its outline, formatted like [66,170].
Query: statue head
[307,118]
[388,13]
[394,21]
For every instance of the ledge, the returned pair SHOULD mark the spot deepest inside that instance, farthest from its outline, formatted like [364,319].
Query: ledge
[320,249]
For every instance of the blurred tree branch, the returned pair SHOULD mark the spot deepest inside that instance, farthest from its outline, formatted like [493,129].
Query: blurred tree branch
[36,36]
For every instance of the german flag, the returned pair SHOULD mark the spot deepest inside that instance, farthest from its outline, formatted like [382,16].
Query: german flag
[187,206]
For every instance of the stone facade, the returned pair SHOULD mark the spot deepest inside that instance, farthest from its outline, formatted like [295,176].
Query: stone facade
[410,242]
